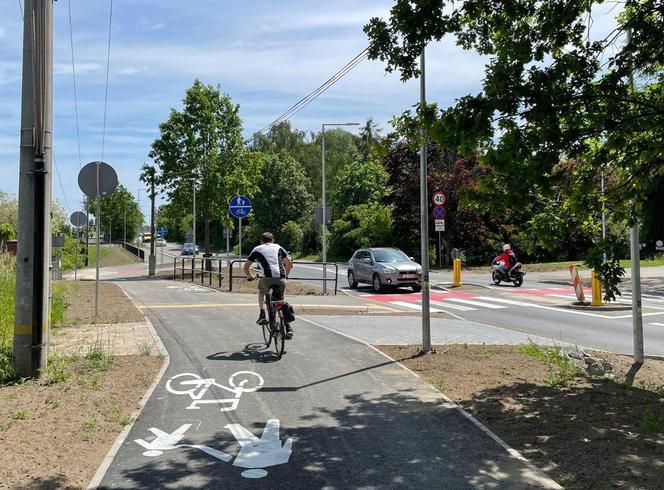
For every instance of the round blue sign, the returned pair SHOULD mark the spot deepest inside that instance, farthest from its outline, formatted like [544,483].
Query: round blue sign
[439,212]
[162,231]
[240,206]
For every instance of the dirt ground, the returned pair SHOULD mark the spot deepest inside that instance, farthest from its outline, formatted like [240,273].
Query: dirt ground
[242,286]
[59,434]
[114,305]
[595,434]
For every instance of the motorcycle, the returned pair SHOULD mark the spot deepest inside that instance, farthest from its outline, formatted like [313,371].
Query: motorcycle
[513,275]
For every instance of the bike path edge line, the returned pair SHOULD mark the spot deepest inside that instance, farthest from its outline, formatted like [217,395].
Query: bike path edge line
[122,436]
[537,475]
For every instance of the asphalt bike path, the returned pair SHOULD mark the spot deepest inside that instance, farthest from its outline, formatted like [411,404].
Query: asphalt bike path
[332,413]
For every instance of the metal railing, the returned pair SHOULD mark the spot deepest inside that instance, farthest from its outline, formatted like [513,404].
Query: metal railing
[231,276]
[135,251]
[188,267]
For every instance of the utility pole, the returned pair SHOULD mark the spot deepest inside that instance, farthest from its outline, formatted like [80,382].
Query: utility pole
[424,219]
[34,214]
[124,237]
[635,256]
[152,261]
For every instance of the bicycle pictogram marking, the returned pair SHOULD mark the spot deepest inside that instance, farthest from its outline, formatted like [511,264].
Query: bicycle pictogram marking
[195,387]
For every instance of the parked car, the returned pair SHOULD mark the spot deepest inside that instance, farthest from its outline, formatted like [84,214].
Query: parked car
[160,242]
[188,249]
[383,267]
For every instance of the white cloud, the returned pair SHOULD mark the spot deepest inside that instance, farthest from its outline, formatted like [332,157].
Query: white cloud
[81,68]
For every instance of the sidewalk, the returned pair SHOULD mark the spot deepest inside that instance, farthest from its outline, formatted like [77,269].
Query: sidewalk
[407,330]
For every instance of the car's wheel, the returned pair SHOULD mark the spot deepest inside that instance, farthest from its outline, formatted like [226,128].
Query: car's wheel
[496,277]
[351,280]
[417,289]
[377,286]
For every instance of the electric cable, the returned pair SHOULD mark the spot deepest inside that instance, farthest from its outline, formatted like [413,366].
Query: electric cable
[108,65]
[314,94]
[73,74]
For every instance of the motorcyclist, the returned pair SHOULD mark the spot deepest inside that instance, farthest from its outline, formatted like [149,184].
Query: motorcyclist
[506,260]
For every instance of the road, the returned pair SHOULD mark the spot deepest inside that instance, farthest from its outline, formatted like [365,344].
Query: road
[539,308]
[332,413]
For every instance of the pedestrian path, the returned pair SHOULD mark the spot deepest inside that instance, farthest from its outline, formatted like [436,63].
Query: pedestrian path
[406,330]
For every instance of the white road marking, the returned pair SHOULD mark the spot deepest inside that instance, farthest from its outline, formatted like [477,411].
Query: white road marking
[565,296]
[476,303]
[414,306]
[454,307]
[552,308]
[320,268]
[196,387]
[658,324]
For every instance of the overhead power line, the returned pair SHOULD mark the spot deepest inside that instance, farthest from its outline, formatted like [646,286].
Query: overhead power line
[314,94]
[73,74]
[108,65]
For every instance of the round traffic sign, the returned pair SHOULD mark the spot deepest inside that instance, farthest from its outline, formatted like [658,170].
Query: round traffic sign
[240,206]
[659,243]
[439,212]
[97,178]
[438,198]
[77,218]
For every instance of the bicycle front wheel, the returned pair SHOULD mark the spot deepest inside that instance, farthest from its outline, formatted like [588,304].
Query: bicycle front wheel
[279,339]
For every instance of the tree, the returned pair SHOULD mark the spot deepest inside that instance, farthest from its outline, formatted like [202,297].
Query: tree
[8,209]
[550,92]
[283,194]
[112,213]
[361,181]
[363,225]
[204,142]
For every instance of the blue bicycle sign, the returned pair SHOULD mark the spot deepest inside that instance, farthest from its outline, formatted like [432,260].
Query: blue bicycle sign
[240,207]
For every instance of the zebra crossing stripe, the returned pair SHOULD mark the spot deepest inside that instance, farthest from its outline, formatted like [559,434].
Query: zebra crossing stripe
[506,301]
[454,307]
[476,303]
[414,306]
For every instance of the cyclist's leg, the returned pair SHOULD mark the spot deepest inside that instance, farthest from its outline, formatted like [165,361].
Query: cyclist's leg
[263,286]
[289,328]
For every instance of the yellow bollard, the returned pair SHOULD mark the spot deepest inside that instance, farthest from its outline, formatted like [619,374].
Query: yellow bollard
[456,277]
[597,289]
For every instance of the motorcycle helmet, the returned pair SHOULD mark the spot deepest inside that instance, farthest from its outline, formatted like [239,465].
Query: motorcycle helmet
[506,247]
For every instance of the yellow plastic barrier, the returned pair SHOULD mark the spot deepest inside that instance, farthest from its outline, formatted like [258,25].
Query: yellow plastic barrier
[456,276]
[597,289]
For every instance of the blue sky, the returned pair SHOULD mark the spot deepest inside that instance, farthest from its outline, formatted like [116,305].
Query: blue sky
[265,55]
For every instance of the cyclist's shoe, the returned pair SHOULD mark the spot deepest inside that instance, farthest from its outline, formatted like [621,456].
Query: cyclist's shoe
[261,318]
[289,332]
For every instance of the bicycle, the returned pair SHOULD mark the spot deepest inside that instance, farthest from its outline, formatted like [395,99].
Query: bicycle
[275,329]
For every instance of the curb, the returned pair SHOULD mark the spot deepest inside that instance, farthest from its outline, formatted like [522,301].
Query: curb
[122,436]
[537,474]
[573,306]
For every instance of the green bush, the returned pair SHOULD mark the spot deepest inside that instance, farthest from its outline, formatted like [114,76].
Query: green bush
[291,236]
[69,253]
[364,225]
[7,232]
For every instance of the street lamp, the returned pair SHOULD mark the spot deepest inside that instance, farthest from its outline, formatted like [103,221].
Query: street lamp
[324,224]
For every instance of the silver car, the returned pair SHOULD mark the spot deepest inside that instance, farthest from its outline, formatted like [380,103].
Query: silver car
[383,267]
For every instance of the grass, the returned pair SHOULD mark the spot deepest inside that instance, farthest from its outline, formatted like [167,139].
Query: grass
[307,257]
[7,293]
[555,266]
[109,256]
[98,358]
[19,415]
[566,372]
[145,348]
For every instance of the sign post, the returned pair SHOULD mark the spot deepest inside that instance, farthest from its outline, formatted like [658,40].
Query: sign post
[240,207]
[77,219]
[97,179]
[439,213]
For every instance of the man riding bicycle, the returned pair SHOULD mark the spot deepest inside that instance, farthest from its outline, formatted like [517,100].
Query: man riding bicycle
[276,266]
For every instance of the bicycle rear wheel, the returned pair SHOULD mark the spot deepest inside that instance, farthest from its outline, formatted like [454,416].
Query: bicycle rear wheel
[279,338]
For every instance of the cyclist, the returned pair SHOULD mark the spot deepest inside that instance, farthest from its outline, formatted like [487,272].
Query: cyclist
[276,266]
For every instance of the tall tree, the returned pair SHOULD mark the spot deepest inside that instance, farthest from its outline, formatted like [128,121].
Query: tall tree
[204,142]
[112,213]
[284,194]
[361,181]
[550,91]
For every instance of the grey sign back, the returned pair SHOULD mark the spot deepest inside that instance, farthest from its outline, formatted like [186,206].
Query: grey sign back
[97,178]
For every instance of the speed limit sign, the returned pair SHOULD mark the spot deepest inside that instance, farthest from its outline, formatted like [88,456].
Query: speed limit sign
[438,199]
